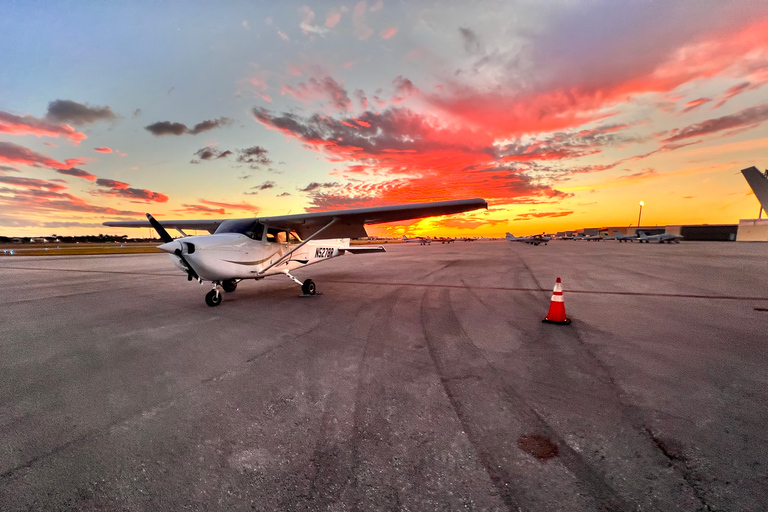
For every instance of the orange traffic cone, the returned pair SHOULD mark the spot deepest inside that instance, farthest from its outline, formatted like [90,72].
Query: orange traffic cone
[556,313]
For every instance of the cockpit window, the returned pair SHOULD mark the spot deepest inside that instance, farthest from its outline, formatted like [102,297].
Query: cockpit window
[248,227]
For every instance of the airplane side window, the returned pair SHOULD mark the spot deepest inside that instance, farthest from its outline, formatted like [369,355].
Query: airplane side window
[293,238]
[281,237]
[255,231]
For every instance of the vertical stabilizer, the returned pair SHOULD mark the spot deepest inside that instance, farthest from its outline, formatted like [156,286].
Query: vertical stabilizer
[759,183]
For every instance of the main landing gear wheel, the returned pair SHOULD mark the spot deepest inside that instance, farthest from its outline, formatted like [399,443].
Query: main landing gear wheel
[213,298]
[308,287]
[229,286]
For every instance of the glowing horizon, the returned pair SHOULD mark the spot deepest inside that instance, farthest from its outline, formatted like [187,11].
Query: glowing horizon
[561,116]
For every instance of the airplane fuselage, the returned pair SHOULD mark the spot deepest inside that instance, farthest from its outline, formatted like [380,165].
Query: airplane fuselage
[227,256]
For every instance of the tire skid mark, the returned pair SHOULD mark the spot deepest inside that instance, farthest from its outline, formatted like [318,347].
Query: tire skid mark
[636,420]
[490,449]
[358,424]
[343,456]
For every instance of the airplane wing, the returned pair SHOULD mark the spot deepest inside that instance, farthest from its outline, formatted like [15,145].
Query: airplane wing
[346,223]
[209,225]
[759,184]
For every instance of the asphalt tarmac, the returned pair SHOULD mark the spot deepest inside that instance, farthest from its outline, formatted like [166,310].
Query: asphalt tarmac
[421,379]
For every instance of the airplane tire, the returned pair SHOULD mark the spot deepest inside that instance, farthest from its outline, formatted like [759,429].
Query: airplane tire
[229,286]
[212,298]
[308,288]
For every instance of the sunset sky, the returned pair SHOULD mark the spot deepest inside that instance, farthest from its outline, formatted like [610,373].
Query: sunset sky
[561,114]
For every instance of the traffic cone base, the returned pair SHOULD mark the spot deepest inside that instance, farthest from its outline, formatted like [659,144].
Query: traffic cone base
[556,313]
[564,322]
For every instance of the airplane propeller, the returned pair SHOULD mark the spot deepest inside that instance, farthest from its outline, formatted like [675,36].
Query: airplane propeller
[165,237]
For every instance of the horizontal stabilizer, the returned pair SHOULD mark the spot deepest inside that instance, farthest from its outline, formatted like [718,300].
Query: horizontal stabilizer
[363,249]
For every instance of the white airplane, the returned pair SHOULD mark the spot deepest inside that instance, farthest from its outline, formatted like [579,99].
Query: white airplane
[421,240]
[621,237]
[661,238]
[258,247]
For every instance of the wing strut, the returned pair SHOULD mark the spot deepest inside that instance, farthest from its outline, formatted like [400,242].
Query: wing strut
[310,237]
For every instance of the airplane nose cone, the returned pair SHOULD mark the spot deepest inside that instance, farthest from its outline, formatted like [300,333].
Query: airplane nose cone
[170,247]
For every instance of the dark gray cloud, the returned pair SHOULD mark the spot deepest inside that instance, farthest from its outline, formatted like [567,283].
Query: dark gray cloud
[397,128]
[471,42]
[747,118]
[68,111]
[315,186]
[210,125]
[265,186]
[78,173]
[5,168]
[166,128]
[173,128]
[211,153]
[255,155]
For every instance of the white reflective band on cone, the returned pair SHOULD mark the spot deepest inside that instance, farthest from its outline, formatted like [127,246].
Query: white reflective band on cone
[557,298]
[558,287]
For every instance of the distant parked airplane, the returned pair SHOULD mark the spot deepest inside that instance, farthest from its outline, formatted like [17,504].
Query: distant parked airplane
[661,238]
[621,237]
[525,239]
[419,239]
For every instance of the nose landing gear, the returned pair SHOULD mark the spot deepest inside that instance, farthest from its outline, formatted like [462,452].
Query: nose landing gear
[213,297]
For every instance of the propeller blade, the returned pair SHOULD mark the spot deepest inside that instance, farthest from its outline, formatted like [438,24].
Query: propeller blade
[191,274]
[164,236]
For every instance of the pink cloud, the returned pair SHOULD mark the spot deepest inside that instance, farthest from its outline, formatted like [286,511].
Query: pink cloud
[745,119]
[362,30]
[233,206]
[32,183]
[29,125]
[694,104]
[332,19]
[103,150]
[14,154]
[314,89]
[388,33]
[125,191]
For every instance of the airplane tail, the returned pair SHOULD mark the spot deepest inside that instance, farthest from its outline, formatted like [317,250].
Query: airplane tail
[759,184]
[642,235]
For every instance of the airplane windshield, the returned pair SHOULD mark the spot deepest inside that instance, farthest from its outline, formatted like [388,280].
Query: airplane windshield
[248,227]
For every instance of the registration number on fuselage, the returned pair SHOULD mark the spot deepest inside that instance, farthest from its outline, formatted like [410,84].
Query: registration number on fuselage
[324,252]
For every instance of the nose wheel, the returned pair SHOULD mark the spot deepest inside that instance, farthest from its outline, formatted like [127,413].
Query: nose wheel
[213,298]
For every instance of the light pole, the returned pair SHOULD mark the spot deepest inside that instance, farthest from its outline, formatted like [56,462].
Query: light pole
[640,214]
